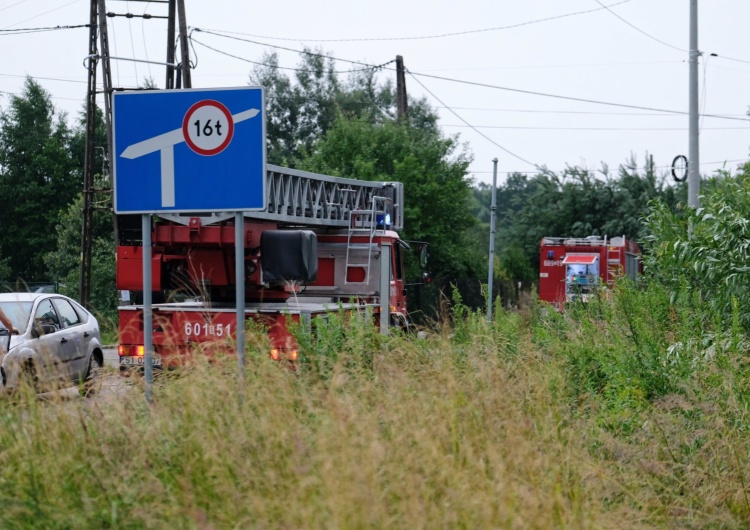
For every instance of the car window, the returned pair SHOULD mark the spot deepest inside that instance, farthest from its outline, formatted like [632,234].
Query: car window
[45,318]
[18,313]
[68,315]
[82,313]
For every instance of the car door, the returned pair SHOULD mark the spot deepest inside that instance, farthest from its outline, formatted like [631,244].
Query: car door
[47,345]
[54,347]
[75,336]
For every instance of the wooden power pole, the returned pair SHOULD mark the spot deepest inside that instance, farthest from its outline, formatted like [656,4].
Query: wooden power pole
[184,49]
[170,44]
[402,106]
[98,26]
[84,291]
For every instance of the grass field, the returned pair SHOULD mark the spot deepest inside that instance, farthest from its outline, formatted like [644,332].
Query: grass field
[605,417]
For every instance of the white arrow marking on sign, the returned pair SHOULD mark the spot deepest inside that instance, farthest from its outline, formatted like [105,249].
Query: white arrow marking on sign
[165,143]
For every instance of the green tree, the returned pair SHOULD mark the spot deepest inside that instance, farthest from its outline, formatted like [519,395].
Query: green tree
[297,113]
[64,262]
[705,252]
[303,108]
[432,168]
[38,179]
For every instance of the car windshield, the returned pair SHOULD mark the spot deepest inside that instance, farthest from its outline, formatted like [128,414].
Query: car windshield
[18,313]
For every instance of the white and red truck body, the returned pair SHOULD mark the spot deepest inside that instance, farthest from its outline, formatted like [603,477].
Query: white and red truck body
[574,268]
[323,244]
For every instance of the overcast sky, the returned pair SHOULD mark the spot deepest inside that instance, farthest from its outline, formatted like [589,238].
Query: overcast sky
[634,54]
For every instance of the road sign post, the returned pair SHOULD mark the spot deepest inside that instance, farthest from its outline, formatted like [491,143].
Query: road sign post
[180,151]
[189,150]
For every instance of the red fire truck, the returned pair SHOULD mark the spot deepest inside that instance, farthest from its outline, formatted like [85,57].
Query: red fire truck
[322,244]
[573,268]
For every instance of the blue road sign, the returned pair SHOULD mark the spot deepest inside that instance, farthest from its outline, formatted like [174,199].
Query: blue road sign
[194,150]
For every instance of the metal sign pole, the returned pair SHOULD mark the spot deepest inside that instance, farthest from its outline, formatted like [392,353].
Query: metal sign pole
[385,287]
[239,262]
[493,209]
[148,327]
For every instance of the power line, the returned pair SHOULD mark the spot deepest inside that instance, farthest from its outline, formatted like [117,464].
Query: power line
[730,69]
[53,97]
[41,14]
[11,5]
[630,168]
[24,31]
[480,133]
[569,98]
[46,78]
[513,127]
[132,42]
[305,52]
[545,66]
[437,36]
[639,30]
[583,112]
[485,85]
[661,41]
[370,67]
[143,35]
[732,59]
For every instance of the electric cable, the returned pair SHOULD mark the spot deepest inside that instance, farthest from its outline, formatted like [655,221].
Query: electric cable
[637,168]
[583,112]
[40,14]
[438,36]
[570,98]
[305,52]
[638,29]
[132,42]
[143,34]
[485,85]
[480,133]
[525,128]
[46,78]
[557,66]
[730,58]
[11,5]
[53,97]
[25,31]
[369,68]
[114,38]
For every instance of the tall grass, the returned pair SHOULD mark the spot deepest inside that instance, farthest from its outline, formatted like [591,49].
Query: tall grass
[533,420]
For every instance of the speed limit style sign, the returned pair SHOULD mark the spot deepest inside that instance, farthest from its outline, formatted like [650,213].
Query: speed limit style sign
[190,150]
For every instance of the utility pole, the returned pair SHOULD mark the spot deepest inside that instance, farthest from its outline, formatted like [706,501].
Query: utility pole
[694,174]
[84,290]
[184,49]
[493,209]
[170,44]
[402,105]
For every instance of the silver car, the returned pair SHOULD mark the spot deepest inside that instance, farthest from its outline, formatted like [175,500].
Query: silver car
[58,341]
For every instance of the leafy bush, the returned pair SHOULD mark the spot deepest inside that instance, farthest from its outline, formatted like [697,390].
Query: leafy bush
[705,251]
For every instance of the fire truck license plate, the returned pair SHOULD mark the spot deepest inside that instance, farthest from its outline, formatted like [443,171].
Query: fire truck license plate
[139,361]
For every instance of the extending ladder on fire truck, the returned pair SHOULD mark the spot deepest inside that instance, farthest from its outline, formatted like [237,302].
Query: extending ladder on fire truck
[365,223]
[302,198]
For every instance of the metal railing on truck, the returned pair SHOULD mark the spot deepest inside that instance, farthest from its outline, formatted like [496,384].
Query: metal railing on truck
[296,197]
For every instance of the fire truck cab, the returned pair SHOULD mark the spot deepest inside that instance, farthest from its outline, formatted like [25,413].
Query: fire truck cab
[573,269]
